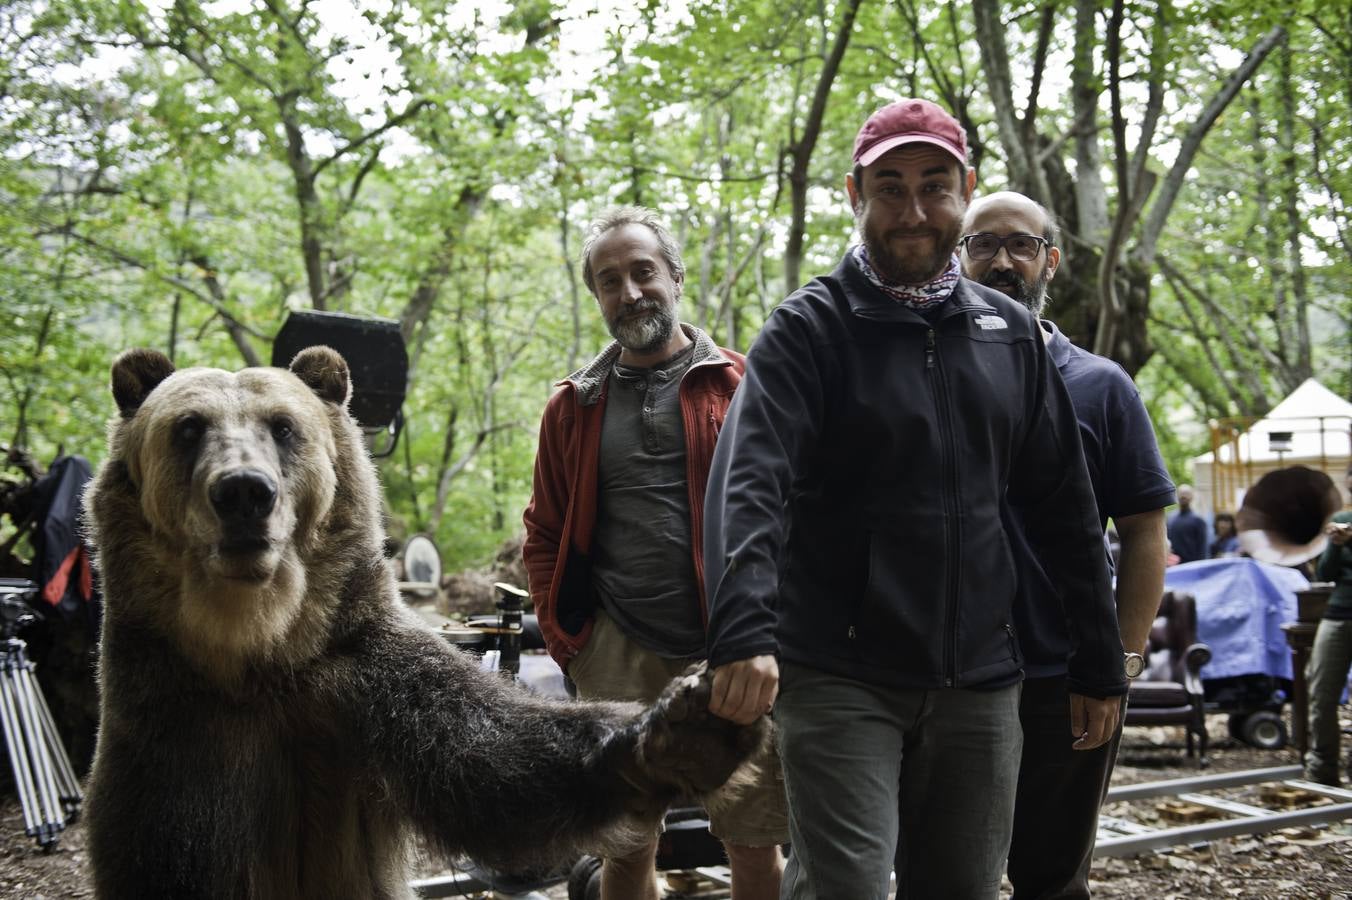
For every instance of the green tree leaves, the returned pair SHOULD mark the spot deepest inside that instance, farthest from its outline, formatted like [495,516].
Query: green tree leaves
[182,174]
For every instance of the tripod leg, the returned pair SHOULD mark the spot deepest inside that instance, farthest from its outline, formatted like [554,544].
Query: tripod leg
[18,750]
[54,815]
[69,785]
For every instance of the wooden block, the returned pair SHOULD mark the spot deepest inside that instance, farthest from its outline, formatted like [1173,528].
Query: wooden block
[1183,813]
[1284,797]
[682,882]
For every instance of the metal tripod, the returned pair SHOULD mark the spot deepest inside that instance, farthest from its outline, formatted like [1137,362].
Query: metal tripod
[48,790]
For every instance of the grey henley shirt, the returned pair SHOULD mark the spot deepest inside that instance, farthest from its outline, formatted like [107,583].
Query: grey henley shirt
[642,566]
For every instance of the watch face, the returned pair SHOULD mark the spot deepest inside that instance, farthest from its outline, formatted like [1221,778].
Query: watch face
[1134,664]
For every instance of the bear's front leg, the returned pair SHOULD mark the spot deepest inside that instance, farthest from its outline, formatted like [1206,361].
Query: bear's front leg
[515,780]
[678,750]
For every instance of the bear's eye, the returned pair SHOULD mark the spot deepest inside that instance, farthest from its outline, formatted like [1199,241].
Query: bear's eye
[188,431]
[283,429]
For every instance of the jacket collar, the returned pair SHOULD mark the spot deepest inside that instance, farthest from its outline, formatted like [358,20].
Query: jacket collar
[867,302]
[1058,345]
[590,381]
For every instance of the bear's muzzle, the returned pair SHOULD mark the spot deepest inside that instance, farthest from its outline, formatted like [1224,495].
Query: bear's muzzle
[243,500]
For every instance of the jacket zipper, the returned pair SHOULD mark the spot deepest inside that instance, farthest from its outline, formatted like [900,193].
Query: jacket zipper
[951,563]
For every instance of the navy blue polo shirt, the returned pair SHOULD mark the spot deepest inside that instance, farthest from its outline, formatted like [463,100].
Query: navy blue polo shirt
[1128,476]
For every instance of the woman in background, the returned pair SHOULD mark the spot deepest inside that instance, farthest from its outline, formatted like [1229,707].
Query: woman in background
[1227,538]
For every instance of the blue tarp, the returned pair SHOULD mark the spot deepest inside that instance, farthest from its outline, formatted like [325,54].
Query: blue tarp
[1241,605]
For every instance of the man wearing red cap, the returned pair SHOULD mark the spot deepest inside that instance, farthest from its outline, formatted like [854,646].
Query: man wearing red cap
[859,572]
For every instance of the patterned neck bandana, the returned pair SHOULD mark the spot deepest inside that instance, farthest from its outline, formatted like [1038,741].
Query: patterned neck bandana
[919,297]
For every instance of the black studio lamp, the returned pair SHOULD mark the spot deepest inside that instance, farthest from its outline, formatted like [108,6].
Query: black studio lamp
[376,357]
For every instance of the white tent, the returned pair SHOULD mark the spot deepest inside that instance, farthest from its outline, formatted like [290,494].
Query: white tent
[1311,427]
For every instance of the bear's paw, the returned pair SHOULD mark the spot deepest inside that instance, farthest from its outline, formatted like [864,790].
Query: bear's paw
[683,746]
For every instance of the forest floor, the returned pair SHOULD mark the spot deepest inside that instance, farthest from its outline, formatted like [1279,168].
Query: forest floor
[1293,864]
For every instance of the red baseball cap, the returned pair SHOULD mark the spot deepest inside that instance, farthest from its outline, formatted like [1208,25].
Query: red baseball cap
[906,122]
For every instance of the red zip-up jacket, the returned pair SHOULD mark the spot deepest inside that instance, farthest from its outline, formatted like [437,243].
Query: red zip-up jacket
[561,516]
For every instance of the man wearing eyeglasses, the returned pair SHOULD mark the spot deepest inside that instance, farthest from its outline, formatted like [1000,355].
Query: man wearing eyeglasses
[859,575]
[1009,243]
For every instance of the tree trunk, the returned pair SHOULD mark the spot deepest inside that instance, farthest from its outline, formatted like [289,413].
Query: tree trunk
[1299,363]
[1025,175]
[307,203]
[1192,142]
[574,293]
[1091,196]
[801,150]
[1127,341]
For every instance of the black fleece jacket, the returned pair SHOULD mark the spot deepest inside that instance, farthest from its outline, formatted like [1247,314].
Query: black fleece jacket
[852,520]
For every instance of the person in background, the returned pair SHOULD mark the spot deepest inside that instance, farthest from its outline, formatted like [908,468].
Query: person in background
[1010,243]
[613,552]
[1227,537]
[1331,658]
[1187,530]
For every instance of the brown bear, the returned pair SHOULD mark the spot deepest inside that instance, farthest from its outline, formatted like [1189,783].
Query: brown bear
[274,723]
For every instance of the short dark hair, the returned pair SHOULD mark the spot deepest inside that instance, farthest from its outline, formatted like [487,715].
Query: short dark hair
[618,217]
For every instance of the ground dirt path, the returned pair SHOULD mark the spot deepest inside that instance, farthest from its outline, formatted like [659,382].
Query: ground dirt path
[1292,865]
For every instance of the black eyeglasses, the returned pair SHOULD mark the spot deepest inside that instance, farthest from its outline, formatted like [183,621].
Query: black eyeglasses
[983,245]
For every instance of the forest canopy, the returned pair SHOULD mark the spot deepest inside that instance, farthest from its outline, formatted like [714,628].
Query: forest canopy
[182,174]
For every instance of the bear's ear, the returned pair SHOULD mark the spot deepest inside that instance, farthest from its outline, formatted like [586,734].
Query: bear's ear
[135,375]
[325,373]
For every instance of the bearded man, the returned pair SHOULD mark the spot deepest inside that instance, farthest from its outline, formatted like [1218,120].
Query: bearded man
[859,572]
[1009,243]
[613,551]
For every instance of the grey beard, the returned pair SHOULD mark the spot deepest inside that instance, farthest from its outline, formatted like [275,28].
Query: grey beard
[1033,296]
[644,333]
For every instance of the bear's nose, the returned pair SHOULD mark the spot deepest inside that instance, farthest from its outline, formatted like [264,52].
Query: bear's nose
[246,494]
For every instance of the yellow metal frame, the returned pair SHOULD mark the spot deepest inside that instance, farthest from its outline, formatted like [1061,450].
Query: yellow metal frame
[1232,471]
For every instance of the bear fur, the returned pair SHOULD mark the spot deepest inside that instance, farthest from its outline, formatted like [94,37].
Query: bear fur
[274,722]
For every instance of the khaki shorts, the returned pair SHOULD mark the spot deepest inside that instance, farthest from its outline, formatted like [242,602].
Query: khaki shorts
[612,667]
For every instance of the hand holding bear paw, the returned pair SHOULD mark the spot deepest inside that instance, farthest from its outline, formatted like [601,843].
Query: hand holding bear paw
[683,746]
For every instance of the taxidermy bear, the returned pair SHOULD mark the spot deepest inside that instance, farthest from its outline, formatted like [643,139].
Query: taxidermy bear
[274,723]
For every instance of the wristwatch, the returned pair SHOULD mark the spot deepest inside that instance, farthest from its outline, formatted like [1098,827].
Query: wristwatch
[1134,663]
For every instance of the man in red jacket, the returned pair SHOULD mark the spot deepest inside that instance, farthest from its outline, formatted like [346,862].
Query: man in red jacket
[613,531]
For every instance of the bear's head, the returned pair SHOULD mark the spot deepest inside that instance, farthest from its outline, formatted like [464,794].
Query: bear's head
[233,507]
